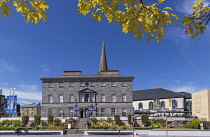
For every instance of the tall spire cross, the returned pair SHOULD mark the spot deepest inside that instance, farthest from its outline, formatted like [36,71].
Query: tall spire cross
[103,62]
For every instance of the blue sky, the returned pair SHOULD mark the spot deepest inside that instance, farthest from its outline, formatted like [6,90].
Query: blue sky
[70,41]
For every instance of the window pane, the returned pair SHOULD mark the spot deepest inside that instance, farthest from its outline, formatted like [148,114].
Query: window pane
[82,84]
[49,111]
[71,98]
[61,98]
[113,98]
[123,97]
[71,112]
[87,98]
[50,85]
[123,111]
[50,99]
[102,111]
[81,98]
[103,84]
[103,98]
[113,84]
[92,84]
[123,84]
[61,84]
[112,111]
[92,97]
[71,84]
[60,112]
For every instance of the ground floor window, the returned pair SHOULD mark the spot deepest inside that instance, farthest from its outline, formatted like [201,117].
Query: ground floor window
[71,112]
[112,111]
[123,111]
[102,111]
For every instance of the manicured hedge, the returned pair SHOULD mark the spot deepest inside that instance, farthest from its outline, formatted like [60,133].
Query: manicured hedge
[142,128]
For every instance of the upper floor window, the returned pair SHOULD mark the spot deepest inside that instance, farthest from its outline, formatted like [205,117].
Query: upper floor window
[123,84]
[103,84]
[82,84]
[60,98]
[71,84]
[81,98]
[50,85]
[113,84]
[50,99]
[92,84]
[71,98]
[60,84]
[103,98]
[87,98]
[123,97]
[113,98]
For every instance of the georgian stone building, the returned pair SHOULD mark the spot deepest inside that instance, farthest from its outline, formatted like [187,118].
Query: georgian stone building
[73,94]
[30,109]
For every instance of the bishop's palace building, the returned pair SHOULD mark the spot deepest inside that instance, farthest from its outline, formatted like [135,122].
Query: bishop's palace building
[73,94]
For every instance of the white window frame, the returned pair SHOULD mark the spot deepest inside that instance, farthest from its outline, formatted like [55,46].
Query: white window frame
[113,84]
[50,99]
[103,84]
[124,84]
[103,98]
[71,98]
[124,98]
[61,98]
[113,98]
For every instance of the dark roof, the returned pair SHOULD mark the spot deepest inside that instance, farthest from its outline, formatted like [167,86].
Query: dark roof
[187,95]
[155,93]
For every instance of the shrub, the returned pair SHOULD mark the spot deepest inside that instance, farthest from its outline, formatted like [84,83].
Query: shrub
[50,119]
[105,127]
[57,121]
[196,123]
[36,128]
[101,127]
[117,119]
[37,120]
[25,120]
[114,127]
[143,128]
[44,127]
[123,127]
[129,119]
[145,119]
[189,124]
[94,120]
[109,120]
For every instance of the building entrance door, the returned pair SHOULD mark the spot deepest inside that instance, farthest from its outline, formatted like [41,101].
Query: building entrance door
[81,113]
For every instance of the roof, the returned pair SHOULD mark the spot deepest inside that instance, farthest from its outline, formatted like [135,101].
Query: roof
[156,93]
[187,95]
[88,77]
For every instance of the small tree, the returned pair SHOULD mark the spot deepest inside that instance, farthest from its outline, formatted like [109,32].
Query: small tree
[145,120]
[117,119]
[196,123]
[50,119]
[37,120]
[129,119]
[94,120]
[101,120]
[25,120]
[109,120]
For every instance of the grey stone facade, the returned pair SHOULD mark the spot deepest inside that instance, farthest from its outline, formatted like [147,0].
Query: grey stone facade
[108,93]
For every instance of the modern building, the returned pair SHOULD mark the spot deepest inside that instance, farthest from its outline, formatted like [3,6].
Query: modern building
[74,94]
[160,99]
[30,109]
[2,102]
[201,105]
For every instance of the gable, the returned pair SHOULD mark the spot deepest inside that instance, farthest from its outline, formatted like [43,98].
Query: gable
[87,90]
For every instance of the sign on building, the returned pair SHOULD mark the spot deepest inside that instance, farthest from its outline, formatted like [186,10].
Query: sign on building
[11,104]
